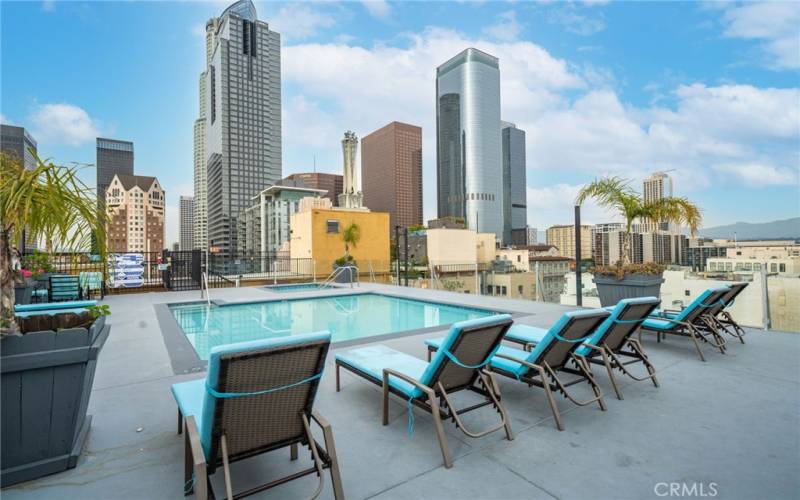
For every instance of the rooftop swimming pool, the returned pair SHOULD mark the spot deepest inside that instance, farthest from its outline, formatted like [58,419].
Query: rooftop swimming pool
[347,317]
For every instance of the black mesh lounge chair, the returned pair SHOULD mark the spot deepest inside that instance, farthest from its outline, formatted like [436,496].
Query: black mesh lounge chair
[720,318]
[466,349]
[690,321]
[541,366]
[612,344]
[257,397]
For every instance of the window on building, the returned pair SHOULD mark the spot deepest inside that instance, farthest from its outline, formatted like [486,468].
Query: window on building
[333,225]
[782,268]
[490,289]
[773,267]
[521,289]
[687,293]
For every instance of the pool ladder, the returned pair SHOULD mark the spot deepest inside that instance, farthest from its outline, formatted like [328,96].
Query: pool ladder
[338,271]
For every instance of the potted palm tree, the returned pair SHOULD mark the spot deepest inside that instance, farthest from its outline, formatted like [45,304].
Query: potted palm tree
[48,359]
[625,279]
[351,235]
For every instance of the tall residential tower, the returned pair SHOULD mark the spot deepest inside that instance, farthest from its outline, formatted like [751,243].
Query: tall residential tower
[657,186]
[242,118]
[186,223]
[469,169]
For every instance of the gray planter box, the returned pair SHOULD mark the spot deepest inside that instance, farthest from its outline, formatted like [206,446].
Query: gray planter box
[46,383]
[611,290]
[22,293]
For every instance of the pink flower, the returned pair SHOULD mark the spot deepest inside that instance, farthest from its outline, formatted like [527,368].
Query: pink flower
[25,273]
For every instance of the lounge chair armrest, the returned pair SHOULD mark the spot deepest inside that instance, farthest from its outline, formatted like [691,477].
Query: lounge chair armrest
[402,376]
[319,419]
[592,346]
[520,361]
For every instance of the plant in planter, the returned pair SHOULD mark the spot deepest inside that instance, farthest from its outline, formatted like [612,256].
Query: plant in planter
[49,363]
[351,235]
[625,279]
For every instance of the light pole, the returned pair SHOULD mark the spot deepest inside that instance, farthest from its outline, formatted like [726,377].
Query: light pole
[578,284]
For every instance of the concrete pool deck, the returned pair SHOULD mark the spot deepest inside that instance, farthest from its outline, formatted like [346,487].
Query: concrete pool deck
[731,425]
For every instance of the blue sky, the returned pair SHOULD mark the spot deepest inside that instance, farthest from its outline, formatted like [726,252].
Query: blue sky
[711,90]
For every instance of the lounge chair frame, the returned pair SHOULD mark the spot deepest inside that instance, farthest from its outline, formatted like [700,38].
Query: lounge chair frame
[721,319]
[545,375]
[197,470]
[695,326]
[449,379]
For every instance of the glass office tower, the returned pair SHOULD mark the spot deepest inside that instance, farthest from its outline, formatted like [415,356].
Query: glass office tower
[469,156]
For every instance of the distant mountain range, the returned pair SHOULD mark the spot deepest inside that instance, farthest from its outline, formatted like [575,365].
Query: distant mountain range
[788,229]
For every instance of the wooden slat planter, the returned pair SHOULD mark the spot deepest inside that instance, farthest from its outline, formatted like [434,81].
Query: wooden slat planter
[46,383]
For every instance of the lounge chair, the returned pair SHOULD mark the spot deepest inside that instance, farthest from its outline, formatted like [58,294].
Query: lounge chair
[64,287]
[690,322]
[550,356]
[719,316]
[257,397]
[607,346]
[459,365]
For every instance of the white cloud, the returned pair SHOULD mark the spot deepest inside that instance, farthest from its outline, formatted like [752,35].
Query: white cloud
[775,24]
[48,5]
[5,120]
[377,8]
[570,17]
[759,174]
[63,124]
[575,122]
[506,29]
[297,21]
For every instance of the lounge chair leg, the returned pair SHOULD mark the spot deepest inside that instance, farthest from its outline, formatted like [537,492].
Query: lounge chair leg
[226,467]
[180,423]
[188,487]
[610,371]
[385,402]
[330,448]
[491,384]
[315,455]
[550,399]
[293,451]
[196,463]
[437,424]
[338,386]
[696,343]
[590,377]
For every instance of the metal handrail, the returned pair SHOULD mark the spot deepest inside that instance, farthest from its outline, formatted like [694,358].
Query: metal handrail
[336,272]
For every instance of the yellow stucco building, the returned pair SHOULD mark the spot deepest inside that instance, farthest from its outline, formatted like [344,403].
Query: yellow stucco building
[317,234]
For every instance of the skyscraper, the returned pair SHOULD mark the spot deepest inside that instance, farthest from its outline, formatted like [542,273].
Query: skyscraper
[469,169]
[243,118]
[186,223]
[18,142]
[135,207]
[114,157]
[391,169]
[515,208]
[200,237]
[657,186]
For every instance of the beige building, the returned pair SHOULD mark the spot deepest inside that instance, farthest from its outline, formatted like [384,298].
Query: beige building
[517,257]
[459,246]
[511,285]
[563,238]
[135,205]
[773,265]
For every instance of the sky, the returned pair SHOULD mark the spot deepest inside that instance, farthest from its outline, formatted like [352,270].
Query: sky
[708,91]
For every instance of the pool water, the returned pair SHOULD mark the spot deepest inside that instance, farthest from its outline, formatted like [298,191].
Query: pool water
[297,287]
[346,317]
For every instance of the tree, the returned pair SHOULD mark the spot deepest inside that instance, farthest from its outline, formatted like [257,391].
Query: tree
[351,236]
[49,201]
[616,194]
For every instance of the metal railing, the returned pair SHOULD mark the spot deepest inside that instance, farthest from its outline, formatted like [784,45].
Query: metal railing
[339,271]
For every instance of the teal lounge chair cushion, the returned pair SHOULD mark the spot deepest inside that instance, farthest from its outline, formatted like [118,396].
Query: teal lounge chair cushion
[44,306]
[409,365]
[527,334]
[193,396]
[373,359]
[500,363]
[658,324]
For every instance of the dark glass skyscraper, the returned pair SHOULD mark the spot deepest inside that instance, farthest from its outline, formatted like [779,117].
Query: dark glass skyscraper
[18,142]
[243,118]
[515,208]
[113,157]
